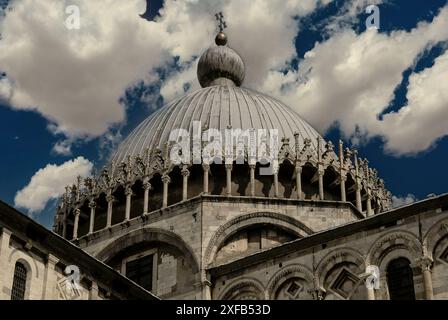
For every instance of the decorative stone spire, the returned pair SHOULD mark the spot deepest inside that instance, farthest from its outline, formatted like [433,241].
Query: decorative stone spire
[220,65]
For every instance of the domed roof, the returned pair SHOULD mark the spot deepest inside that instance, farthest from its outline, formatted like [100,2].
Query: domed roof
[217,107]
[220,63]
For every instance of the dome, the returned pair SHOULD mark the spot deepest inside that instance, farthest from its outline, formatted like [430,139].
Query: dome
[216,107]
[142,177]
[220,63]
[220,104]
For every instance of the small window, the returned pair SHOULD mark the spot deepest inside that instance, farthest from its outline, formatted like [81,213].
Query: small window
[141,271]
[19,282]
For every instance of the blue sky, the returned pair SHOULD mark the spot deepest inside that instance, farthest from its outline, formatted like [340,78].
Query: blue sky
[29,135]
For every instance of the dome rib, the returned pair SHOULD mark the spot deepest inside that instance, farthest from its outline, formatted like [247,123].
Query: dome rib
[216,107]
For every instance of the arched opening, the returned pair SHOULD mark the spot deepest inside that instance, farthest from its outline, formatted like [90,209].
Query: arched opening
[195,181]
[84,219]
[157,261]
[265,181]
[69,225]
[100,212]
[240,179]
[156,194]
[19,282]
[309,187]
[332,184]
[175,187]
[400,280]
[253,239]
[119,206]
[217,179]
[285,179]
[137,199]
[350,189]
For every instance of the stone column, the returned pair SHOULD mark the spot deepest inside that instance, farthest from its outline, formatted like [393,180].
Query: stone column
[276,193]
[166,180]
[92,206]
[128,193]
[369,204]
[206,168]
[342,172]
[206,286]
[425,263]
[185,174]
[357,183]
[76,223]
[64,225]
[299,181]
[343,192]
[252,179]
[358,196]
[229,179]
[146,188]
[370,293]
[320,174]
[93,292]
[110,201]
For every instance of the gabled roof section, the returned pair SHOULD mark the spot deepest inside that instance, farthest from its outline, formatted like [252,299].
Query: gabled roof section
[48,241]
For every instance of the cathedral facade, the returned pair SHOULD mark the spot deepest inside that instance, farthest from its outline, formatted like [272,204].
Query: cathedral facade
[226,193]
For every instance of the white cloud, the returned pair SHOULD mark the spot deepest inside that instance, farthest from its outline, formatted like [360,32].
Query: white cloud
[403,201]
[48,183]
[350,79]
[424,118]
[5,90]
[74,78]
[63,148]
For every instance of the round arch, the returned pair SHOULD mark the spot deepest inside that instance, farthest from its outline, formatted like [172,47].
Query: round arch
[240,286]
[335,257]
[226,230]
[288,272]
[148,235]
[437,232]
[393,245]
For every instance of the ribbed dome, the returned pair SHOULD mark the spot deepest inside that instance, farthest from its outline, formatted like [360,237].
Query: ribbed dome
[217,107]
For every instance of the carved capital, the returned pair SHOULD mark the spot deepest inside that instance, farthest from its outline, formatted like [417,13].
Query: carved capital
[206,167]
[77,212]
[147,186]
[110,198]
[185,172]
[424,263]
[128,191]
[166,178]
[92,204]
[229,166]
[318,293]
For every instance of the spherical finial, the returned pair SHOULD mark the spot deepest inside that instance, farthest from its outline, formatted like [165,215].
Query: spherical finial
[220,64]
[221,39]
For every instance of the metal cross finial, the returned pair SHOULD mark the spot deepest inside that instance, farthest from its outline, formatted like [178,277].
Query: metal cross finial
[222,24]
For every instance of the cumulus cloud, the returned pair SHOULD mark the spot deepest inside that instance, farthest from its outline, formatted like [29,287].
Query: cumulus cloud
[350,79]
[63,148]
[48,183]
[75,78]
[403,201]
